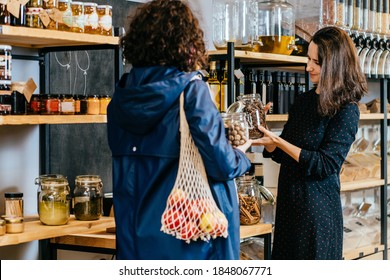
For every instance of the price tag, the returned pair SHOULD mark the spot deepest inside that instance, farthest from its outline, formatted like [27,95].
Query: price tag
[13,7]
[56,15]
[44,17]
[3,2]
[238,73]
[31,86]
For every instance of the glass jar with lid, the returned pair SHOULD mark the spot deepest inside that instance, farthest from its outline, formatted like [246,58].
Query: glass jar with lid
[38,182]
[91,24]
[249,198]
[66,13]
[88,197]
[50,7]
[276,26]
[235,21]
[67,104]
[93,107]
[77,17]
[105,19]
[104,101]
[251,105]
[54,201]
[237,132]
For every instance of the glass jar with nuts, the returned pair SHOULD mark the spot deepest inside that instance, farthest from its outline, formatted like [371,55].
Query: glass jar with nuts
[237,131]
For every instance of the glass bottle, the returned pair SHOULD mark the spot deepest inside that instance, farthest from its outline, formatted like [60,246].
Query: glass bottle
[251,105]
[5,16]
[54,201]
[88,197]
[276,26]
[224,89]
[238,133]
[249,199]
[215,85]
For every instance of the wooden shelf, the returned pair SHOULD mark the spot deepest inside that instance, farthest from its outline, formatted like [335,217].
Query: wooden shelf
[364,251]
[35,230]
[40,38]
[284,117]
[263,58]
[362,184]
[51,119]
[255,230]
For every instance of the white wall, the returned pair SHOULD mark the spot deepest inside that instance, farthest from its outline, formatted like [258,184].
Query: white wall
[19,160]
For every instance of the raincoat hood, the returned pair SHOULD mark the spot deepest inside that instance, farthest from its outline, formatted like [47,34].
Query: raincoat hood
[143,96]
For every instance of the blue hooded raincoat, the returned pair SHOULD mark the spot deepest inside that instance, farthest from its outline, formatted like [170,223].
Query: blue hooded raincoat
[143,134]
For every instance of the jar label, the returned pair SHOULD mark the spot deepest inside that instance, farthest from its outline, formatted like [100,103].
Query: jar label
[81,199]
[67,18]
[92,20]
[67,107]
[106,22]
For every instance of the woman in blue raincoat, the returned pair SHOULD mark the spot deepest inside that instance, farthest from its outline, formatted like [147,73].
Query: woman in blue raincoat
[164,44]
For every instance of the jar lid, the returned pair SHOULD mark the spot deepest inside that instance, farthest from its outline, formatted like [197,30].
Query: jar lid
[90,4]
[76,3]
[104,6]
[6,47]
[13,195]
[88,179]
[11,219]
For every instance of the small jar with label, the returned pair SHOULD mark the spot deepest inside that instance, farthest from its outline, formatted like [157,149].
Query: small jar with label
[6,63]
[91,24]
[32,17]
[77,17]
[34,107]
[88,197]
[50,105]
[19,103]
[67,104]
[54,201]
[93,105]
[65,8]
[105,19]
[104,101]
[13,204]
[5,104]
[50,6]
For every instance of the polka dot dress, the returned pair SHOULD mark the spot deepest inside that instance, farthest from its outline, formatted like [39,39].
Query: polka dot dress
[309,222]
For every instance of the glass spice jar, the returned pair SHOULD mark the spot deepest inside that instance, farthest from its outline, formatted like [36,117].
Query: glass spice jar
[34,107]
[67,104]
[50,105]
[91,24]
[14,224]
[93,105]
[105,19]
[104,101]
[54,201]
[88,197]
[6,63]
[32,17]
[13,204]
[249,198]
[253,107]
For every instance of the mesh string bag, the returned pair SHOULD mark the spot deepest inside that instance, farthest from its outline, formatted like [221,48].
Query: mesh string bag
[191,212]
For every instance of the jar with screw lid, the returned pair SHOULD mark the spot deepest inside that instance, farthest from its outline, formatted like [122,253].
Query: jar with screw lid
[88,197]
[238,132]
[105,19]
[5,63]
[93,105]
[91,25]
[13,204]
[54,201]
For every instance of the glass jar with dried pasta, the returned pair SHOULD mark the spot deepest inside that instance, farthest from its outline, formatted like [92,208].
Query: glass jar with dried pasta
[105,19]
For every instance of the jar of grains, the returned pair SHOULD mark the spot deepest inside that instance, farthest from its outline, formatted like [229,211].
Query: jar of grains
[88,197]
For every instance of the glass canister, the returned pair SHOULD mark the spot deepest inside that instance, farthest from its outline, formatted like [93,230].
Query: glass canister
[65,24]
[54,201]
[237,131]
[276,26]
[105,19]
[251,105]
[77,17]
[249,198]
[88,197]
[42,177]
[235,21]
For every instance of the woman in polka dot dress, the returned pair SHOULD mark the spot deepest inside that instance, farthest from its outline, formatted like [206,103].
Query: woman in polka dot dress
[321,127]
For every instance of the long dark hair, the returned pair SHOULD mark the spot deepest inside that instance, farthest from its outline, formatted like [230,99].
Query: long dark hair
[341,80]
[165,32]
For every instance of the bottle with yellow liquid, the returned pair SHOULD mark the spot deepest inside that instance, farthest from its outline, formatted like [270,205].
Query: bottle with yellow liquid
[224,89]
[215,85]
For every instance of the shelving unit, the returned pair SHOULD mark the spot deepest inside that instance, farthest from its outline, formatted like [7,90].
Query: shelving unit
[297,64]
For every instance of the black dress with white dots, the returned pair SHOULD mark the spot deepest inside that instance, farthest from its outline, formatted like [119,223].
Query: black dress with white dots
[309,221]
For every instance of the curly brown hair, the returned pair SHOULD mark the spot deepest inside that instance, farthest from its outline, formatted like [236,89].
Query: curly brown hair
[165,32]
[341,80]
